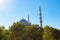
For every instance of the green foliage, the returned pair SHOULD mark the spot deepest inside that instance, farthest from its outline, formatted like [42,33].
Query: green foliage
[18,31]
[32,33]
[51,33]
[2,33]
[56,33]
[47,34]
[7,33]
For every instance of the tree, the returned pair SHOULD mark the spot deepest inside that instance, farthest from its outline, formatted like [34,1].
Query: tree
[47,34]
[2,33]
[32,33]
[56,33]
[16,31]
[7,33]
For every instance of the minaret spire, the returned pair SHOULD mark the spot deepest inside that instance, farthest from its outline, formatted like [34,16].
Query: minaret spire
[40,13]
[28,18]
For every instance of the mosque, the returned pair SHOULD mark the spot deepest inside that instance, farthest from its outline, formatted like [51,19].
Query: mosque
[26,22]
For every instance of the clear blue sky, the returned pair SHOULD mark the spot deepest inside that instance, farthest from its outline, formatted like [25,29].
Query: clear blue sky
[13,10]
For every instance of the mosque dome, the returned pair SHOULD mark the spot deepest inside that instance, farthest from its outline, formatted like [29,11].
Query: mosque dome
[25,22]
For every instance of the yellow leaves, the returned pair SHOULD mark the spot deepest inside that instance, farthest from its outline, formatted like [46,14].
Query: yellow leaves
[16,31]
[2,33]
[47,34]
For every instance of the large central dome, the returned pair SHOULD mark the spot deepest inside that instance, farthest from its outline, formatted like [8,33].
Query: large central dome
[25,22]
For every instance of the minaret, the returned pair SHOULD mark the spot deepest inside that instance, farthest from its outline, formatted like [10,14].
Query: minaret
[40,13]
[28,18]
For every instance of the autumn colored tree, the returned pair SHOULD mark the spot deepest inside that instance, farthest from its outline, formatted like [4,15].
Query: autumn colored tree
[32,33]
[16,31]
[56,33]
[47,34]
[2,33]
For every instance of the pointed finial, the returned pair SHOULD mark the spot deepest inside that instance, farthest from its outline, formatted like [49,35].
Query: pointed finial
[40,9]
